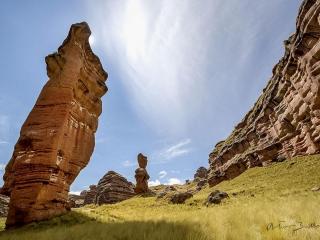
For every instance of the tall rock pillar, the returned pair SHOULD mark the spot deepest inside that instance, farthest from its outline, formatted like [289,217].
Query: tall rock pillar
[142,175]
[57,139]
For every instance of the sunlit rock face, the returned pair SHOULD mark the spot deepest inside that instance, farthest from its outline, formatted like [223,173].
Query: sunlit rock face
[142,175]
[113,188]
[57,139]
[285,121]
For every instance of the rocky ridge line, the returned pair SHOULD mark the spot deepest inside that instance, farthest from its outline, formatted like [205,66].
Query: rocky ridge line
[285,121]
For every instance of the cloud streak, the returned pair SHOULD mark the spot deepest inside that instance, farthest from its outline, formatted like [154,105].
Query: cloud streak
[162,51]
[154,183]
[175,56]
[176,150]
[162,174]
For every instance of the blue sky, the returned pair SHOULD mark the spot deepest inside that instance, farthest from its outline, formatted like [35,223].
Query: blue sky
[181,74]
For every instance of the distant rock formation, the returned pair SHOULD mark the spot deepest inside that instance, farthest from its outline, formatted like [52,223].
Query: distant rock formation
[57,139]
[285,121]
[180,197]
[113,188]
[90,195]
[201,173]
[75,201]
[4,205]
[142,175]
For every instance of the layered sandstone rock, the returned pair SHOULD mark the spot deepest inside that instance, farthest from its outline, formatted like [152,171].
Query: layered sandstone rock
[90,195]
[57,139]
[285,121]
[113,188]
[142,175]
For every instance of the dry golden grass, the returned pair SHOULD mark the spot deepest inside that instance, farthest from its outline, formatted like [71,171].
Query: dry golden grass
[274,202]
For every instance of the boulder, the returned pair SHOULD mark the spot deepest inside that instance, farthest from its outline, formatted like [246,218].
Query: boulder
[166,191]
[216,197]
[113,188]
[181,197]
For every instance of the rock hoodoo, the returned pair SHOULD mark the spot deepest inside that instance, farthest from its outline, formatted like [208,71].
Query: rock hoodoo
[113,188]
[142,175]
[285,121]
[57,139]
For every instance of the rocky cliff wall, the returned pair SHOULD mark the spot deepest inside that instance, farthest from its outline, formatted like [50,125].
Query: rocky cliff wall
[285,121]
[57,139]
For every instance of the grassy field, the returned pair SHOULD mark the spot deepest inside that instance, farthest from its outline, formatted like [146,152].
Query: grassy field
[274,202]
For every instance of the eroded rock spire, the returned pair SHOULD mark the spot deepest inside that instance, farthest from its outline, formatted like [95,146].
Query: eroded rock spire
[57,139]
[142,175]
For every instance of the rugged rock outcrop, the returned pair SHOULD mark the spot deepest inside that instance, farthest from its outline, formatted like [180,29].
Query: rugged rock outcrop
[181,197]
[57,139]
[201,183]
[113,188]
[75,201]
[216,197]
[4,205]
[285,121]
[166,191]
[142,175]
[201,173]
[90,195]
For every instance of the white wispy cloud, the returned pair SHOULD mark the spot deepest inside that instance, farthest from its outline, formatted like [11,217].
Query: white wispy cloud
[2,166]
[162,174]
[172,181]
[75,192]
[175,56]
[128,163]
[4,128]
[100,140]
[154,183]
[176,150]
[163,51]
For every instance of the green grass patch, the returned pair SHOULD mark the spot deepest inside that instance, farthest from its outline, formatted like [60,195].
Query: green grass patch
[273,202]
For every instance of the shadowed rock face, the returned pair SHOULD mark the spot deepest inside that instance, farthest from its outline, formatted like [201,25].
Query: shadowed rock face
[113,188]
[142,175]
[285,121]
[57,139]
[90,195]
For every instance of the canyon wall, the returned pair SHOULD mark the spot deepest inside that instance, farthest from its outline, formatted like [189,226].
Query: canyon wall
[285,121]
[57,139]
